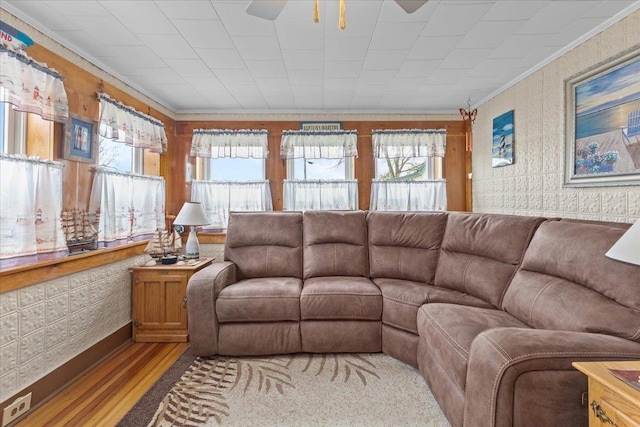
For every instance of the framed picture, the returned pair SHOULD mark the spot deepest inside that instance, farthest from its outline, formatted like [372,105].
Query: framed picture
[502,140]
[80,142]
[602,135]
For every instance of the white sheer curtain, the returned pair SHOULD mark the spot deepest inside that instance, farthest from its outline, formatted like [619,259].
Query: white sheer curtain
[219,198]
[30,207]
[129,126]
[126,207]
[397,143]
[32,87]
[320,194]
[408,194]
[218,143]
[427,195]
[296,144]
[333,194]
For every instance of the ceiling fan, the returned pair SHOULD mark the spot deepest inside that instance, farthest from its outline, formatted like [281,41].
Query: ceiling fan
[270,9]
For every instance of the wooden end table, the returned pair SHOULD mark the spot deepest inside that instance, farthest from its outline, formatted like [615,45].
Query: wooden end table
[612,402]
[159,297]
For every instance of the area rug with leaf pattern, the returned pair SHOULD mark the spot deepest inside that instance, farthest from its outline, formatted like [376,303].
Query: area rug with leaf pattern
[289,390]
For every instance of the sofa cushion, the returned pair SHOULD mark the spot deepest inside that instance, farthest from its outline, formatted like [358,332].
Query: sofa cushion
[260,300]
[448,331]
[567,283]
[265,244]
[481,252]
[401,300]
[335,244]
[340,297]
[405,245]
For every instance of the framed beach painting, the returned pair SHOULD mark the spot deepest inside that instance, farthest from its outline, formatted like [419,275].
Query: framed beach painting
[502,145]
[602,135]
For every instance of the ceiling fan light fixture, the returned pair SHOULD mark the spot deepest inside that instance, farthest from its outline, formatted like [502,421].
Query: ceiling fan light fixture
[316,11]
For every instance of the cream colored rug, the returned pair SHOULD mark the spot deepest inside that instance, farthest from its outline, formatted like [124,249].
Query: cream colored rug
[300,390]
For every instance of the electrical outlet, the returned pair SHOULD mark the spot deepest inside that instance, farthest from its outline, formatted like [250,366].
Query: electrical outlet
[19,407]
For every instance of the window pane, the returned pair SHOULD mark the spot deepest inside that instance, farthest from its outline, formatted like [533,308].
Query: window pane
[319,169]
[408,168]
[115,155]
[234,169]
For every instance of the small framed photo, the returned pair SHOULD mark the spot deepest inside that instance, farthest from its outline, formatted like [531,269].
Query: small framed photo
[80,142]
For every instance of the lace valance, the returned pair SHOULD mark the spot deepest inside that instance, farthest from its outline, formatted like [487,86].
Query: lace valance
[218,143]
[399,143]
[32,87]
[129,126]
[296,144]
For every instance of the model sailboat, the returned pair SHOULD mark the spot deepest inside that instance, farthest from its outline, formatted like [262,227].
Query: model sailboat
[78,232]
[165,245]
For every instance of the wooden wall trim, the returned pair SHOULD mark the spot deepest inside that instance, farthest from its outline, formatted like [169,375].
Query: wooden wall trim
[52,383]
[28,275]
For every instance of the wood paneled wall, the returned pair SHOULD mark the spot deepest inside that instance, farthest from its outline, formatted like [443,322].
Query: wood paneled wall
[81,87]
[454,162]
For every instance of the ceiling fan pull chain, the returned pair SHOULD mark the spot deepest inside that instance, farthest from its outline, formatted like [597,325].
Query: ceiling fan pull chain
[341,23]
[316,11]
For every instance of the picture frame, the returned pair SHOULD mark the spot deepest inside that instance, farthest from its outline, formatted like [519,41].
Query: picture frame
[80,140]
[503,139]
[602,123]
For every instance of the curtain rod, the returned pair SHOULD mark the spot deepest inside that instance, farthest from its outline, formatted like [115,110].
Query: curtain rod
[37,160]
[125,174]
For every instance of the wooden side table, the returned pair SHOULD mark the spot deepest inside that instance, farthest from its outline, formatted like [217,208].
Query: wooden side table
[159,297]
[612,402]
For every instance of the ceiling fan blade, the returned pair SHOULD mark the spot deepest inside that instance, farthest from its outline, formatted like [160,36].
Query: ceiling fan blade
[411,6]
[266,9]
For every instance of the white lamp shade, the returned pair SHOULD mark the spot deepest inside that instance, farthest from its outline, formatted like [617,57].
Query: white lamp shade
[192,213]
[627,248]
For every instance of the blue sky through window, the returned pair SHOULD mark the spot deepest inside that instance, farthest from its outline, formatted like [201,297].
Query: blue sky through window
[234,169]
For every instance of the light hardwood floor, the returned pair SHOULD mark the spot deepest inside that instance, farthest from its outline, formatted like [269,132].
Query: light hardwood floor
[108,391]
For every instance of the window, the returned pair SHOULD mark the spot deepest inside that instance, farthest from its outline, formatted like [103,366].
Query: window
[12,129]
[408,170]
[230,173]
[121,157]
[126,205]
[320,170]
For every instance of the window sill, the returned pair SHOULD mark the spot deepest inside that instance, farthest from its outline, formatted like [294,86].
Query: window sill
[27,275]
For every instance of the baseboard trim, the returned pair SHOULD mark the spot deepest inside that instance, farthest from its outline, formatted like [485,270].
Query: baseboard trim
[52,383]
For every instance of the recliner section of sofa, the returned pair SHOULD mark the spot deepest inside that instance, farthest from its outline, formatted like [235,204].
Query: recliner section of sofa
[260,312]
[341,308]
[491,308]
[566,302]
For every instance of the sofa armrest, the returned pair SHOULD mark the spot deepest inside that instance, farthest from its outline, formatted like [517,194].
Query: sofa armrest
[202,292]
[518,376]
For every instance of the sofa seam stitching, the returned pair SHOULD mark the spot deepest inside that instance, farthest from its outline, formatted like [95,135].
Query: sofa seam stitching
[457,345]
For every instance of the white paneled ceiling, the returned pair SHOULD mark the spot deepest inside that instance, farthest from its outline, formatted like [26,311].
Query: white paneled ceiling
[211,56]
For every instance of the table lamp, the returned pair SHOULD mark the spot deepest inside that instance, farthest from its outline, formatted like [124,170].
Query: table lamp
[192,214]
[627,248]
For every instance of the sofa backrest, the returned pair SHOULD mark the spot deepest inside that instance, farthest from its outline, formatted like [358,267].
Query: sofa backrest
[481,252]
[566,282]
[405,245]
[265,244]
[335,244]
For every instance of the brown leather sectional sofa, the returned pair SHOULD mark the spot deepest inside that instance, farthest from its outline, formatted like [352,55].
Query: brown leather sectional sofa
[491,308]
